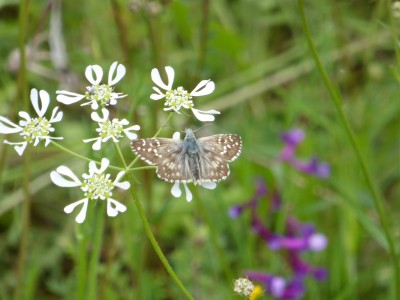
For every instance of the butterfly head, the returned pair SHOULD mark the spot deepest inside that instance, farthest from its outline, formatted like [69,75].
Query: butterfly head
[189,135]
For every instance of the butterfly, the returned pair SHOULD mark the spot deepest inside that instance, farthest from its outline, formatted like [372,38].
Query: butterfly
[190,160]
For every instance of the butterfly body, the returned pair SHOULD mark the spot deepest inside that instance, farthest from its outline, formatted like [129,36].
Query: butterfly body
[191,160]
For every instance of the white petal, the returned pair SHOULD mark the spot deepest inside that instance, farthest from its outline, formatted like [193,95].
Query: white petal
[98,72]
[155,76]
[121,70]
[176,136]
[205,87]
[24,115]
[35,100]
[128,131]
[12,128]
[58,177]
[95,116]
[205,116]
[130,135]
[56,116]
[82,214]
[45,101]
[104,164]
[157,96]
[176,191]
[189,195]
[122,185]
[20,148]
[67,98]
[113,211]
[209,185]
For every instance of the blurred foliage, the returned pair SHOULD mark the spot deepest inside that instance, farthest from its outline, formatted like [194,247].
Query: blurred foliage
[266,83]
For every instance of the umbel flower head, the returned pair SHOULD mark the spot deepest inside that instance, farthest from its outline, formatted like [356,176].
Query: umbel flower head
[96,185]
[176,190]
[33,130]
[110,129]
[97,94]
[178,98]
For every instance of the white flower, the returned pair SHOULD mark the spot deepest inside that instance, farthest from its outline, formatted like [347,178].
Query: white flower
[97,94]
[96,185]
[33,130]
[110,129]
[243,286]
[176,190]
[180,98]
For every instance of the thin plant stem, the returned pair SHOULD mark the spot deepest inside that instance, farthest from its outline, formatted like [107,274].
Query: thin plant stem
[96,246]
[81,273]
[150,234]
[214,241]
[83,157]
[154,242]
[336,99]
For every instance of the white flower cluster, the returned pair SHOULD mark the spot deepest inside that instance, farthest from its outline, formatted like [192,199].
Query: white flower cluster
[96,184]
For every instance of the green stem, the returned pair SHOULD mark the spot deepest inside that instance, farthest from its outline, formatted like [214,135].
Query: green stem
[83,157]
[96,246]
[336,99]
[149,233]
[154,242]
[81,274]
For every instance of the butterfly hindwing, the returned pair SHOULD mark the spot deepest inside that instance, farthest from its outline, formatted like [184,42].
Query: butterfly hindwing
[213,167]
[175,168]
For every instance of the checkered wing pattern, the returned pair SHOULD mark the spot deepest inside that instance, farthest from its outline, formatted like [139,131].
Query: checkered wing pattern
[155,149]
[207,161]
[228,146]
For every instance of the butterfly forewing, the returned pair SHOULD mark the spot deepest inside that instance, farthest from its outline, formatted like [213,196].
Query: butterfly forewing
[228,146]
[154,149]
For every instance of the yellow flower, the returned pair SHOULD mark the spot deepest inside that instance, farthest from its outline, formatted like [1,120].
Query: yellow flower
[256,293]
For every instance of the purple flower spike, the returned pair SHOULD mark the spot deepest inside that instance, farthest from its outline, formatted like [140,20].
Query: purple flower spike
[313,167]
[261,188]
[294,290]
[302,268]
[293,137]
[261,230]
[235,211]
[319,274]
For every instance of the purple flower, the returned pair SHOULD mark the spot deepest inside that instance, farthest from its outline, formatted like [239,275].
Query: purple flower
[259,228]
[314,167]
[301,268]
[277,286]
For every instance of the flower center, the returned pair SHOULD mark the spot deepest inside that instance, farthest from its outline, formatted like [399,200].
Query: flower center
[36,128]
[98,186]
[99,93]
[111,128]
[178,98]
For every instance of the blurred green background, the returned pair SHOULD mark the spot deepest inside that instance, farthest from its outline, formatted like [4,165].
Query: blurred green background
[266,83]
